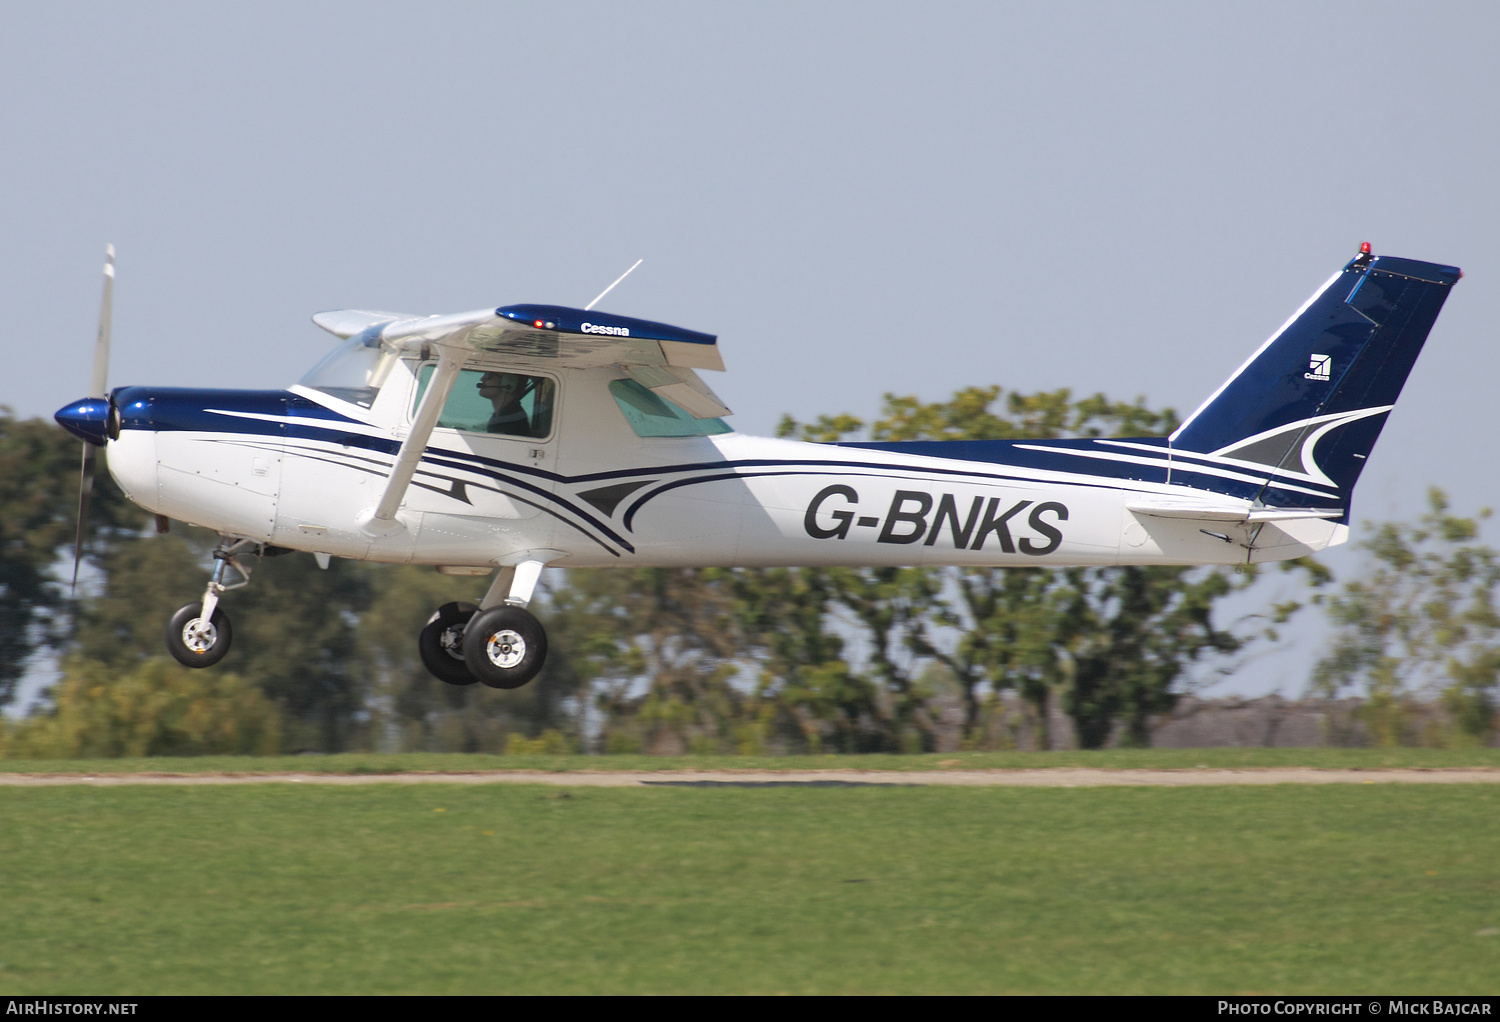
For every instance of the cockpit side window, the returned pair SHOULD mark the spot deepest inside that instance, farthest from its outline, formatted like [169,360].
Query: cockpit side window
[498,403]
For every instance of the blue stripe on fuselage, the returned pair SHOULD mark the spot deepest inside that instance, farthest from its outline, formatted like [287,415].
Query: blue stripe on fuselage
[1012,454]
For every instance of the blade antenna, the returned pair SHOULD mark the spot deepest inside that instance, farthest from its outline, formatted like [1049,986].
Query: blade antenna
[607,290]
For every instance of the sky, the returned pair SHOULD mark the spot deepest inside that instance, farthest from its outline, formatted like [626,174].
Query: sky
[859,198]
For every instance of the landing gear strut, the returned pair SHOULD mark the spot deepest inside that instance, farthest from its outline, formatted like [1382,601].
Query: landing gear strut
[500,644]
[199,634]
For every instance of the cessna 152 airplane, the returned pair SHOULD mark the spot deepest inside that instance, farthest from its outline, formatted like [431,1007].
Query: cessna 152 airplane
[508,439]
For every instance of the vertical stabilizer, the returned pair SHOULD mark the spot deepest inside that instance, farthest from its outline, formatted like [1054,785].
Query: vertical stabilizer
[1296,422]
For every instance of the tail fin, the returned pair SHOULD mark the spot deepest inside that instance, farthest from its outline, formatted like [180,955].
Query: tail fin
[1296,422]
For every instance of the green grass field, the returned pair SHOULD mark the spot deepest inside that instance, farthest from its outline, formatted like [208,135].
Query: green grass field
[285,888]
[1169,759]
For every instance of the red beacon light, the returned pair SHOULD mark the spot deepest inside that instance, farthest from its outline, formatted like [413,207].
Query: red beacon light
[1364,248]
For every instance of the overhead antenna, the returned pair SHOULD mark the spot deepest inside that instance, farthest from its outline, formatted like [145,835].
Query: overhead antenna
[607,290]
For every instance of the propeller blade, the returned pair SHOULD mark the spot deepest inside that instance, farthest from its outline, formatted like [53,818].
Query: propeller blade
[106,315]
[85,493]
[97,384]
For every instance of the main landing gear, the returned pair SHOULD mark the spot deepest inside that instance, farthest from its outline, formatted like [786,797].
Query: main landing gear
[499,643]
[199,634]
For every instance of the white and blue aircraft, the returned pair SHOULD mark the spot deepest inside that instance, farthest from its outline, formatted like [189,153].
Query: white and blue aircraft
[502,441]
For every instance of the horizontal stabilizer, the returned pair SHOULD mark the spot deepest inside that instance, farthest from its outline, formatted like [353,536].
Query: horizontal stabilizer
[1196,511]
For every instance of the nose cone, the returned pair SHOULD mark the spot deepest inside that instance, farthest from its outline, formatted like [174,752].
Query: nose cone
[87,418]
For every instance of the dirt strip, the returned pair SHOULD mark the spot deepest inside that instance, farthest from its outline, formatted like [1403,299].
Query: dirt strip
[1055,777]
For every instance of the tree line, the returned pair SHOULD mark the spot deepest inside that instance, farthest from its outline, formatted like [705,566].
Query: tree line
[706,660]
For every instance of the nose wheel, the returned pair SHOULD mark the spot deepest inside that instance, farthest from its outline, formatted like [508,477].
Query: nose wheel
[195,641]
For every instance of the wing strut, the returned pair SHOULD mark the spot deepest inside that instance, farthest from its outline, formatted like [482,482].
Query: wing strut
[382,520]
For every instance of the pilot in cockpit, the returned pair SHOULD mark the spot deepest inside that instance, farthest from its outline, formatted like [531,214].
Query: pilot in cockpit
[504,391]
[522,404]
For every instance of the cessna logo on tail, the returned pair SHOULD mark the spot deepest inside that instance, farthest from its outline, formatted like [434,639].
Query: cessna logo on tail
[1320,367]
[911,518]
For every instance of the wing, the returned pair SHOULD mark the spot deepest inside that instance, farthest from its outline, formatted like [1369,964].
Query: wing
[660,357]
[346,323]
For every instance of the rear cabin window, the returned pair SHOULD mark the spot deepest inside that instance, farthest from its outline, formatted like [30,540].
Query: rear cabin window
[502,404]
[650,415]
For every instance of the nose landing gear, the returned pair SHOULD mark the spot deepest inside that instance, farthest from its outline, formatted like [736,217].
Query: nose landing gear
[500,644]
[199,634]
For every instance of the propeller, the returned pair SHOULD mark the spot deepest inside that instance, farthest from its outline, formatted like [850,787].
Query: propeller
[96,393]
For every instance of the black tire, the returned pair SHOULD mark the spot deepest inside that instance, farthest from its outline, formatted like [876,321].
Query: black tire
[204,651]
[441,643]
[505,647]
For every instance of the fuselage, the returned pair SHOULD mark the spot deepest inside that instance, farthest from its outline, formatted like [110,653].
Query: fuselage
[301,469]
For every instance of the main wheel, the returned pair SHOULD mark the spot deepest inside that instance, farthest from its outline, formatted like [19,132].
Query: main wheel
[195,643]
[505,647]
[442,643]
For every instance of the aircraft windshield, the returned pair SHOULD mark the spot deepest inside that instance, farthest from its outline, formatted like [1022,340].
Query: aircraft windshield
[354,371]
